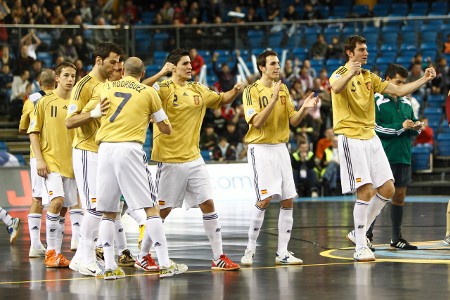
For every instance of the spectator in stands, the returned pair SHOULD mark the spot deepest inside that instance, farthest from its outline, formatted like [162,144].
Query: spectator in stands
[72,32]
[232,135]
[167,12]
[209,139]
[325,104]
[439,83]
[35,70]
[23,61]
[85,12]
[290,72]
[305,79]
[18,92]
[130,11]
[303,164]
[311,71]
[297,93]
[58,17]
[426,135]
[272,8]
[415,73]
[335,48]
[194,11]
[224,150]
[83,49]
[28,40]
[197,63]
[324,81]
[18,11]
[239,119]
[81,72]
[38,14]
[319,48]
[70,10]
[5,58]
[219,121]
[447,232]
[222,36]
[252,16]
[330,167]
[444,69]
[310,13]
[102,35]
[6,79]
[68,51]
[226,77]
[324,143]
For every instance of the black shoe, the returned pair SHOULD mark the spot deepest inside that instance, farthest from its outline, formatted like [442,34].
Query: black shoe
[403,244]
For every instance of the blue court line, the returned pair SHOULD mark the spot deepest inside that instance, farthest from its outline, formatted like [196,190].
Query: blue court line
[351,198]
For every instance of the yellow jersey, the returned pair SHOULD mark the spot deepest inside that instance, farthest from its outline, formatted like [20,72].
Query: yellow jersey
[49,119]
[27,110]
[85,90]
[185,107]
[131,106]
[354,106]
[276,128]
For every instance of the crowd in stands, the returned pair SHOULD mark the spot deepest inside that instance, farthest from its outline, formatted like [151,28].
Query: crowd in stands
[312,143]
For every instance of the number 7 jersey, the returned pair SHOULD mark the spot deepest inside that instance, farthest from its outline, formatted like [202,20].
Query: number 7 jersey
[131,106]
[276,128]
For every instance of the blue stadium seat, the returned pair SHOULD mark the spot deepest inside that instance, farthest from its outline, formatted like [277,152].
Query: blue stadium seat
[46,57]
[381,9]
[21,159]
[275,39]
[341,11]
[206,155]
[420,158]
[439,7]
[390,37]
[435,100]
[300,53]
[403,60]
[3,146]
[331,32]
[255,38]
[419,7]
[443,144]
[428,34]
[434,115]
[360,9]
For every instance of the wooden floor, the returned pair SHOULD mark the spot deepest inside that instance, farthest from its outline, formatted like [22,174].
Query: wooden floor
[320,226]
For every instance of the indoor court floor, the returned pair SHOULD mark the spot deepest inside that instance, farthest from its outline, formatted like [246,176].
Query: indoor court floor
[318,237]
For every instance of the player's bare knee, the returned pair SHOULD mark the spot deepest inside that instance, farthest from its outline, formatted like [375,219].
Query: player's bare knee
[264,203]
[56,206]
[387,190]
[365,192]
[207,206]
[287,203]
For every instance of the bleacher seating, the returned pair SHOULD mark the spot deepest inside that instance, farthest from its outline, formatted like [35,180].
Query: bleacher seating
[443,144]
[421,158]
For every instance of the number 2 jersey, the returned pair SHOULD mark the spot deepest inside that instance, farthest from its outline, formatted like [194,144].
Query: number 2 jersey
[131,106]
[186,107]
[276,128]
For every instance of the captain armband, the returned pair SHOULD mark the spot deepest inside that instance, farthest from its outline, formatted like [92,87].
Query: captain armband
[159,116]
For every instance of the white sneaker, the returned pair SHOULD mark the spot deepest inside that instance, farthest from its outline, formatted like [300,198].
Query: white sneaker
[287,258]
[74,245]
[247,259]
[174,269]
[93,269]
[37,252]
[352,239]
[363,254]
[75,264]
[13,230]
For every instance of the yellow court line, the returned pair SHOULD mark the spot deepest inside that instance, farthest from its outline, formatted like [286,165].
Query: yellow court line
[188,272]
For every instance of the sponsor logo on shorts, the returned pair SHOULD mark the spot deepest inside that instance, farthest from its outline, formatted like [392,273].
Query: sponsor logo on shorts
[358,179]
[162,202]
[50,193]
[263,192]
[93,200]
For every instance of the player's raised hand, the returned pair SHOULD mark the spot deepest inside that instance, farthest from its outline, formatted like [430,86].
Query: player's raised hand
[239,87]
[355,67]
[430,73]
[168,67]
[311,101]
[276,90]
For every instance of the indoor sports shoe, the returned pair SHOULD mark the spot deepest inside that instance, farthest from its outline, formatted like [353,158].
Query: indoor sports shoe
[93,269]
[75,264]
[52,260]
[447,239]
[363,254]
[147,263]
[247,259]
[126,259]
[114,274]
[403,244]
[352,239]
[37,252]
[63,262]
[13,230]
[287,258]
[99,253]
[141,235]
[224,263]
[174,269]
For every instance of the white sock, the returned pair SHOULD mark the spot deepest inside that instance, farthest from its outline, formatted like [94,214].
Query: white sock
[52,224]
[285,222]
[6,218]
[155,230]
[376,204]
[89,233]
[256,221]
[60,235]
[145,246]
[360,219]
[34,227]
[76,218]
[213,232]
[107,234]
[121,239]
[138,215]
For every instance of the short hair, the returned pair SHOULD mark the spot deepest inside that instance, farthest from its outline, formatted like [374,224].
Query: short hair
[176,54]
[134,66]
[47,78]
[103,50]
[394,69]
[64,64]
[350,43]
[261,59]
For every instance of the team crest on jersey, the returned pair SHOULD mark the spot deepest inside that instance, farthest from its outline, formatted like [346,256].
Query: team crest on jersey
[196,100]
[156,86]
[72,108]
[283,100]
[369,85]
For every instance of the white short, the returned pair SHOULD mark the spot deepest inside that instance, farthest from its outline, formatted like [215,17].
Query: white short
[272,171]
[122,170]
[37,181]
[85,169]
[178,182]
[56,185]
[362,162]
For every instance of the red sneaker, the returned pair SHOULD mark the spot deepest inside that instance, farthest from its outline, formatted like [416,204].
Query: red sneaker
[146,263]
[225,264]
